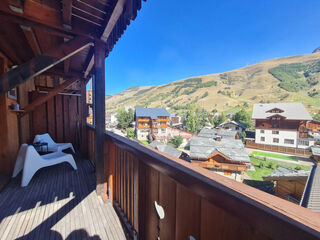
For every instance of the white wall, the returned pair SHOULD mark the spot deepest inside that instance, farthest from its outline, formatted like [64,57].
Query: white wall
[142,134]
[282,135]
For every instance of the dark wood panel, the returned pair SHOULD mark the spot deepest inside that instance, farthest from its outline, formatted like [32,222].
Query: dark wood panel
[59,118]
[152,195]
[188,214]
[167,199]
[51,119]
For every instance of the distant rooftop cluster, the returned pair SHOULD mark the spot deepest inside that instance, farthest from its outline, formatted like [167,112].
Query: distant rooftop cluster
[211,141]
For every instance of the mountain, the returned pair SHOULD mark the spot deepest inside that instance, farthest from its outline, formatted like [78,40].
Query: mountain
[285,79]
[316,50]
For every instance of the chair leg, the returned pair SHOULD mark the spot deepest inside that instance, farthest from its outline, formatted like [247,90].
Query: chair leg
[27,176]
[72,163]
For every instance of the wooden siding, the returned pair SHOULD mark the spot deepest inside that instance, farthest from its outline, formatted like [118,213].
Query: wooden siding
[60,117]
[196,202]
[281,124]
[294,188]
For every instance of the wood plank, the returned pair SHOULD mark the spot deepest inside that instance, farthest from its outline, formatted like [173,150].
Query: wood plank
[59,118]
[187,213]
[31,39]
[167,199]
[99,110]
[66,11]
[46,97]
[152,195]
[66,120]
[51,116]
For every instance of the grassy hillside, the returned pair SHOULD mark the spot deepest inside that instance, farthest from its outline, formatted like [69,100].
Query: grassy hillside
[278,80]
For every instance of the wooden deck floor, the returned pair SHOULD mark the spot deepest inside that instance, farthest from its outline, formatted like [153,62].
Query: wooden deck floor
[59,203]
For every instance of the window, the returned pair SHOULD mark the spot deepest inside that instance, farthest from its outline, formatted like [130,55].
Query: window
[275,132]
[276,140]
[237,128]
[262,139]
[303,142]
[261,131]
[289,141]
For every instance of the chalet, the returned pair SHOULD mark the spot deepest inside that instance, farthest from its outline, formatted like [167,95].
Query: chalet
[111,119]
[226,156]
[300,187]
[289,184]
[176,120]
[282,124]
[49,50]
[169,150]
[233,126]
[151,121]
[311,194]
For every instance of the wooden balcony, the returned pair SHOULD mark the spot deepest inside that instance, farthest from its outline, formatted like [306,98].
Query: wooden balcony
[59,203]
[196,201]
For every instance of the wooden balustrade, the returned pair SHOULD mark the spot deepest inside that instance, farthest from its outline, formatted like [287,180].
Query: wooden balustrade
[196,201]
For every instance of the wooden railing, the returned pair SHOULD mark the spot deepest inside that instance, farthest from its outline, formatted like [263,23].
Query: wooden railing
[196,201]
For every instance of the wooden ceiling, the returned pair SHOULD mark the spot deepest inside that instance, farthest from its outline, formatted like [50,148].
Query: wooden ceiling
[30,28]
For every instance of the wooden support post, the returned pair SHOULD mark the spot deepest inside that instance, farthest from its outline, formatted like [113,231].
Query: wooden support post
[99,106]
[84,114]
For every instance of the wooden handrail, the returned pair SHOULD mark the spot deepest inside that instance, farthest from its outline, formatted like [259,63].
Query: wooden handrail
[274,217]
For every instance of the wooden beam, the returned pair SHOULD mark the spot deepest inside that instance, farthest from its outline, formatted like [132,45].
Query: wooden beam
[50,29]
[118,10]
[46,97]
[42,63]
[66,12]
[84,114]
[99,114]
[31,39]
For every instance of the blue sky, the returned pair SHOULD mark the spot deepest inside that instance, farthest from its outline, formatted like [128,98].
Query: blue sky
[176,39]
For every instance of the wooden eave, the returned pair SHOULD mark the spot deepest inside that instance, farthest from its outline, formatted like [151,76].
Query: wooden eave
[29,28]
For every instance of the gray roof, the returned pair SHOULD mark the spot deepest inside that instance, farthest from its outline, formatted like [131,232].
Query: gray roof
[153,113]
[166,149]
[233,122]
[214,132]
[291,111]
[315,151]
[311,196]
[203,147]
[287,172]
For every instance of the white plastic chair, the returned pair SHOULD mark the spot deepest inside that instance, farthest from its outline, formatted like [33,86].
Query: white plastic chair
[52,145]
[30,161]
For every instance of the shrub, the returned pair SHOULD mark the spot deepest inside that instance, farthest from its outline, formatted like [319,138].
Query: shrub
[130,132]
[269,165]
[176,141]
[261,165]
[297,168]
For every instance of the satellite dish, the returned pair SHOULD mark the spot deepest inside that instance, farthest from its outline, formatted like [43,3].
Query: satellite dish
[159,210]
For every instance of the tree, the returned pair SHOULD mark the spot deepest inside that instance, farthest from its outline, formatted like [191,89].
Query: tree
[124,118]
[317,116]
[177,141]
[243,117]
[196,118]
[130,132]
[219,119]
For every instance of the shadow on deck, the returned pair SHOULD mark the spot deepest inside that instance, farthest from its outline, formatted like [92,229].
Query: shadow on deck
[58,203]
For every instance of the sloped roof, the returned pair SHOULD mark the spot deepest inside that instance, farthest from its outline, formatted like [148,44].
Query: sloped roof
[165,149]
[153,113]
[311,196]
[203,148]
[315,151]
[283,172]
[214,132]
[291,111]
[232,122]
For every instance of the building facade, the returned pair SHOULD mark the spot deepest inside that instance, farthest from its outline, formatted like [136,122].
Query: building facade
[282,124]
[150,122]
[233,126]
